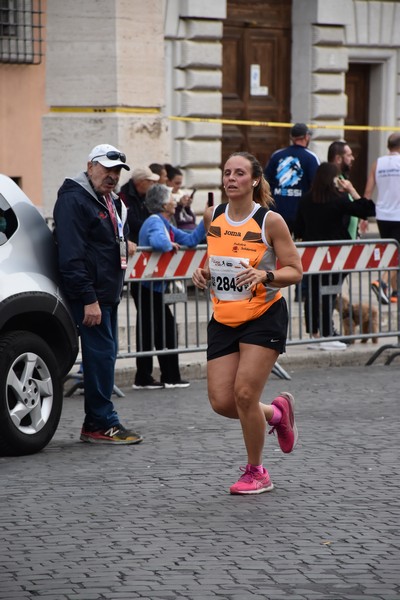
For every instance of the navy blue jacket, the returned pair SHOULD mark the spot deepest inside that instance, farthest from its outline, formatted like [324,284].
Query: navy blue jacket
[318,221]
[88,249]
[290,172]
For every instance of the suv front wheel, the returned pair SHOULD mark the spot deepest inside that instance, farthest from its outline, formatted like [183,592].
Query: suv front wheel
[31,394]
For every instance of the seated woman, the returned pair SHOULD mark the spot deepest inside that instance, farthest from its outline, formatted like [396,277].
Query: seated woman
[158,233]
[320,217]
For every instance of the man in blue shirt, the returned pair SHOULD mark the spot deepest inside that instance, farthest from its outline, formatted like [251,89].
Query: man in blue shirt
[290,172]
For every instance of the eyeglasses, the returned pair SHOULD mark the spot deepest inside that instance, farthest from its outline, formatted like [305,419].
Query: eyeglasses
[112,155]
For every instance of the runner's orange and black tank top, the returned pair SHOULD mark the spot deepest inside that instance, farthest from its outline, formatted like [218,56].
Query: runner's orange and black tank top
[228,243]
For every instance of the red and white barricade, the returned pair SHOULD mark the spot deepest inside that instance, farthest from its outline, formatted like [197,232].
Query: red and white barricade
[363,261]
[353,256]
[147,264]
[315,257]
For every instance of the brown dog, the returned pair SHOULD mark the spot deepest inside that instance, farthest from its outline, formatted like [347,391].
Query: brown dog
[360,314]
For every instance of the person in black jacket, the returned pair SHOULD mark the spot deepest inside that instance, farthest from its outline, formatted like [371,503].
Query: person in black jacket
[133,194]
[320,218]
[91,234]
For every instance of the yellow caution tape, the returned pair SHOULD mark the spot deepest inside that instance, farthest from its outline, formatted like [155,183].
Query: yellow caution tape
[277,124]
[157,111]
[105,109]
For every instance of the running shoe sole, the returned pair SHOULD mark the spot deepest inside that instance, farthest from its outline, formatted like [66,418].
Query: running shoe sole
[169,386]
[110,441]
[148,387]
[290,399]
[252,492]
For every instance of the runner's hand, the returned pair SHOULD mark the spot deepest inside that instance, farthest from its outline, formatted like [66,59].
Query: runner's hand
[200,278]
[250,277]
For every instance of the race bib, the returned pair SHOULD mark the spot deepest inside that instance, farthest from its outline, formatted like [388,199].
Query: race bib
[223,270]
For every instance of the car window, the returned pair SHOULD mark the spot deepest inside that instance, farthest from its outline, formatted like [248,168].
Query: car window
[8,221]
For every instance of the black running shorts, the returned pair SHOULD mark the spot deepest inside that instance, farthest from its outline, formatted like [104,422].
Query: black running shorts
[269,330]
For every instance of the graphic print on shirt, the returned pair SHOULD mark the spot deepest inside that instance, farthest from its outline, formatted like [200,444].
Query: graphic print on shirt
[288,174]
[238,237]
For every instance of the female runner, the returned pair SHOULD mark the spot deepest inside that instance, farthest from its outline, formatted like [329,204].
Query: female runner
[248,329]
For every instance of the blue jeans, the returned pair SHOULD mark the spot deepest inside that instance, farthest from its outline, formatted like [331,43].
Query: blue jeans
[99,351]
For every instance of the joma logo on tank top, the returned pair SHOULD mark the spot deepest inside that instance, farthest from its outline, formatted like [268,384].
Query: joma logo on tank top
[227,232]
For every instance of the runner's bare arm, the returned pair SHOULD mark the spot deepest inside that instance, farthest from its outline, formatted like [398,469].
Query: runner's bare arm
[371,181]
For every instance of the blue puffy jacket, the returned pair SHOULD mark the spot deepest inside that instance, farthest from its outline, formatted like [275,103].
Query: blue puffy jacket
[156,232]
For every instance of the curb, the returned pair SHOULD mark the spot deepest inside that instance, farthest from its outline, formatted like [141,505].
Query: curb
[194,366]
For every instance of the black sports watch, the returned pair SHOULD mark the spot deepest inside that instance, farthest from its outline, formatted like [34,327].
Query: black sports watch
[269,277]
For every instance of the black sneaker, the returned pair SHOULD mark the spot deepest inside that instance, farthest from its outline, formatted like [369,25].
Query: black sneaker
[154,385]
[177,384]
[379,290]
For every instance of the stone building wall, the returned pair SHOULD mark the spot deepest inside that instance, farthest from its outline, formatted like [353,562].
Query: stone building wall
[326,37]
[117,70]
[115,73]
[104,84]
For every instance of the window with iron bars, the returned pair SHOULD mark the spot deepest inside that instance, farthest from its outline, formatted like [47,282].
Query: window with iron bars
[21,31]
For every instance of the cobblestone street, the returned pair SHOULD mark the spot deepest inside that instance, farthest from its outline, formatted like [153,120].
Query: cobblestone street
[156,521]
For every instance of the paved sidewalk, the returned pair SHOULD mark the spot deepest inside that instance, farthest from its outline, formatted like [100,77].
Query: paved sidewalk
[156,521]
[193,365]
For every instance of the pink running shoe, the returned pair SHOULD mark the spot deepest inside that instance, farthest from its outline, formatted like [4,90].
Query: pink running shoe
[252,482]
[286,429]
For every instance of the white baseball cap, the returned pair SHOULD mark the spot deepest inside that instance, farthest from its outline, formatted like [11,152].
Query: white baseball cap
[108,156]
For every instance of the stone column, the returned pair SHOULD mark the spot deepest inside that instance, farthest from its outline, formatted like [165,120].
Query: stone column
[104,84]
[193,34]
[319,63]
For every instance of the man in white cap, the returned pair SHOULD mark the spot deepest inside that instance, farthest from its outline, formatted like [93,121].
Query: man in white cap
[133,194]
[92,237]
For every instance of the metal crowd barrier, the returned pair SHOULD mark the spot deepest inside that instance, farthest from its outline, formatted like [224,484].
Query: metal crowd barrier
[344,272]
[345,269]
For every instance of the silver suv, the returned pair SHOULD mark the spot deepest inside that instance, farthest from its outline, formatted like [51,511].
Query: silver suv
[38,338]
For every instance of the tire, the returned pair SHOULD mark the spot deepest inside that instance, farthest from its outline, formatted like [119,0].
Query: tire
[31,394]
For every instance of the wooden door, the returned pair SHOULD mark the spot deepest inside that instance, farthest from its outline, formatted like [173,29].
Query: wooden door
[257,38]
[357,90]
